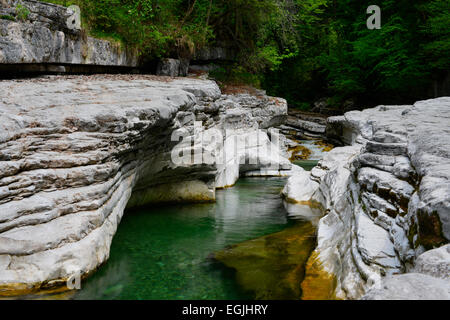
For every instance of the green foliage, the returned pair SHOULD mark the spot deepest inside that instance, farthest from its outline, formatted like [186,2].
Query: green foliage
[7,17]
[384,61]
[302,50]
[156,28]
[261,30]
[342,59]
[22,12]
[236,74]
[437,29]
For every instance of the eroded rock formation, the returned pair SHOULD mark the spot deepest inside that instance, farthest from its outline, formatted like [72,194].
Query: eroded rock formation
[386,198]
[76,151]
[49,33]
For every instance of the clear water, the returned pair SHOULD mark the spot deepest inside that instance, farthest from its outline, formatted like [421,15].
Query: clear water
[164,252]
[317,152]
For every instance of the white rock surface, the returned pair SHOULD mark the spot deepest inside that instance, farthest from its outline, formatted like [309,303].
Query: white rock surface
[76,151]
[300,187]
[434,262]
[47,37]
[410,286]
[386,199]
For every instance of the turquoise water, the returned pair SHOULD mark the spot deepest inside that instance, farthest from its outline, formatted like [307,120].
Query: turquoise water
[308,165]
[164,252]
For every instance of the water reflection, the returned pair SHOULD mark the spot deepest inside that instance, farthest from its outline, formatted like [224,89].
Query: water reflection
[304,211]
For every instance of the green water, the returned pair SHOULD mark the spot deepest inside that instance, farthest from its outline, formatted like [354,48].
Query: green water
[308,165]
[165,252]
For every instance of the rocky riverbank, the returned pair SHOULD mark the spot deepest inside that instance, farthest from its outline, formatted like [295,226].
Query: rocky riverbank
[76,151]
[387,202]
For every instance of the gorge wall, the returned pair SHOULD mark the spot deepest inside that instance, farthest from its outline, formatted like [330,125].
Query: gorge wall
[76,151]
[42,37]
[51,34]
[386,197]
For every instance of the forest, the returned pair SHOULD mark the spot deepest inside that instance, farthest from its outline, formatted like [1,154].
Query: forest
[303,50]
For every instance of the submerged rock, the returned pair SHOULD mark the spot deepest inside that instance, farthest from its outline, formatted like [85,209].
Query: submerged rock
[299,152]
[318,283]
[272,267]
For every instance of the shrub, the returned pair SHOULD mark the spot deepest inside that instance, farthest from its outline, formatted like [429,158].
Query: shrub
[22,12]
[7,17]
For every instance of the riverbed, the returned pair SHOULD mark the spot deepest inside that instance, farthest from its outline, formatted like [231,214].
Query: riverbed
[166,252]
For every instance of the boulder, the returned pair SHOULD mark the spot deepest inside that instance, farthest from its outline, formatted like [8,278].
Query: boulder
[410,286]
[214,54]
[434,262]
[168,67]
[300,188]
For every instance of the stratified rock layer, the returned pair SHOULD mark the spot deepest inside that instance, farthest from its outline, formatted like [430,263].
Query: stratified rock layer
[76,151]
[386,196]
[51,34]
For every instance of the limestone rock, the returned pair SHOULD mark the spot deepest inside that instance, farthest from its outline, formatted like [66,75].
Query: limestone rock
[388,201]
[168,67]
[434,262]
[47,38]
[300,188]
[298,193]
[375,245]
[410,286]
[308,126]
[76,151]
[214,53]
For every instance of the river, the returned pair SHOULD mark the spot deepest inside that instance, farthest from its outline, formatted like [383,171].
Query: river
[165,252]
